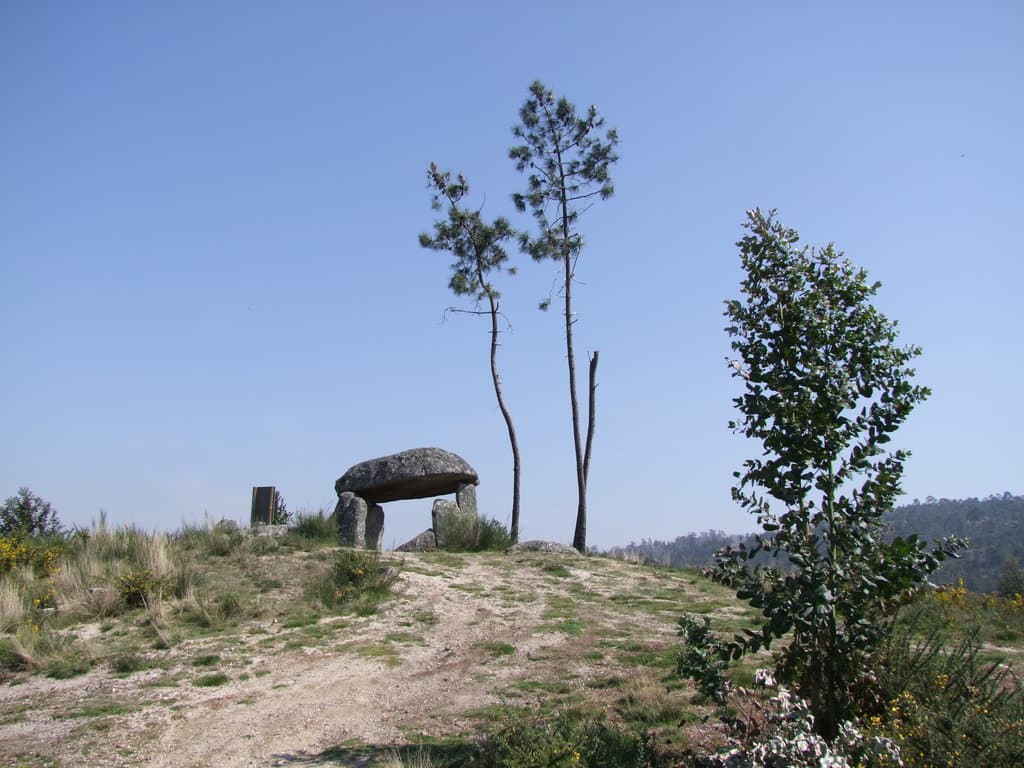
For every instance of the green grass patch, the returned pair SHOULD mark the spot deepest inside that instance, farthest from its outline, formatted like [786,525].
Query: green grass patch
[206,660]
[97,709]
[495,648]
[211,681]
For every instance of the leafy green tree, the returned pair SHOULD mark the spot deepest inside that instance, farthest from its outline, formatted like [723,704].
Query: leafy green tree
[825,387]
[478,248]
[567,161]
[29,515]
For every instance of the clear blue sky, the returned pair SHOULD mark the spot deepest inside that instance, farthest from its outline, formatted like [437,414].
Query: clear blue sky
[211,277]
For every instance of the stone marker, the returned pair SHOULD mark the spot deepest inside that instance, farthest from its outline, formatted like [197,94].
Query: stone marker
[264,500]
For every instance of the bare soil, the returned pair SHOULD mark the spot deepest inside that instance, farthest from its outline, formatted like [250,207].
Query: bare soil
[464,636]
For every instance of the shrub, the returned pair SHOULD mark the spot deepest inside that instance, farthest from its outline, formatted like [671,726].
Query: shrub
[788,738]
[214,540]
[281,514]
[825,387]
[492,536]
[314,529]
[18,549]
[468,533]
[29,515]
[570,739]
[943,703]
[704,658]
[457,531]
[356,580]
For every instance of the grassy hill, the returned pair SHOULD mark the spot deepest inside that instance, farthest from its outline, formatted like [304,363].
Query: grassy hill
[212,647]
[247,659]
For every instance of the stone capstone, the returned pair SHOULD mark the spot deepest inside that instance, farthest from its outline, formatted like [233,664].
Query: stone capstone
[414,474]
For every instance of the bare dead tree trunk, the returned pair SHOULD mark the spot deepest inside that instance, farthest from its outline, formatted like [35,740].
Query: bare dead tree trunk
[591,415]
[580,535]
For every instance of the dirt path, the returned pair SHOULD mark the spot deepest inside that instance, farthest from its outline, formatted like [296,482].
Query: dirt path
[452,642]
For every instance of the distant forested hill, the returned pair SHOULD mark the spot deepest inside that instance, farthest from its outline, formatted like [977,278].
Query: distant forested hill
[994,525]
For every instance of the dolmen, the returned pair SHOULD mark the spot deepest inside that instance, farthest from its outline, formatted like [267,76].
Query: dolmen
[414,474]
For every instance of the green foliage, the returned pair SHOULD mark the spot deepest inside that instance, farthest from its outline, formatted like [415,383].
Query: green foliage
[212,680]
[468,533]
[478,247]
[568,166]
[571,739]
[704,658]
[138,586]
[311,530]
[127,663]
[943,703]
[355,581]
[825,388]
[42,556]
[281,514]
[29,515]
[220,540]
[492,536]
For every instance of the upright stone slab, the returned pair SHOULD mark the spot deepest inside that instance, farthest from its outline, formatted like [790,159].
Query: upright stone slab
[351,513]
[451,522]
[264,502]
[465,497]
[374,526]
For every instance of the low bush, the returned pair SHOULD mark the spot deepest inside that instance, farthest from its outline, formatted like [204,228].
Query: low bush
[218,540]
[313,530]
[944,703]
[570,739]
[468,533]
[492,536]
[356,580]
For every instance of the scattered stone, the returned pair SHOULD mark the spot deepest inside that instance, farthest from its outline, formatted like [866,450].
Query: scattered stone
[542,546]
[414,474]
[424,542]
